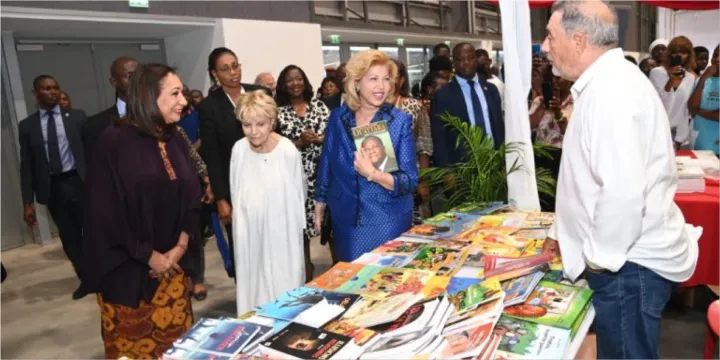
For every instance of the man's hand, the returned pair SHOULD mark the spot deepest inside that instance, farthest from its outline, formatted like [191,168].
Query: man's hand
[29,216]
[224,211]
[550,246]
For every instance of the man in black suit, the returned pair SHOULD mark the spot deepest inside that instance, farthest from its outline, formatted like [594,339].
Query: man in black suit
[335,101]
[469,98]
[52,167]
[120,71]
[219,131]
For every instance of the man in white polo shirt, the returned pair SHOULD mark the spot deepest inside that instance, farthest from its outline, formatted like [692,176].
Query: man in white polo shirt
[616,219]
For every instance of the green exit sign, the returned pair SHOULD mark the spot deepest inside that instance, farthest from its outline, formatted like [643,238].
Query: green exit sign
[334,39]
[139,3]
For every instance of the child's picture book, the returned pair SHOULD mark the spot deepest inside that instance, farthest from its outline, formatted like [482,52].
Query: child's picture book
[480,208]
[394,281]
[436,286]
[384,260]
[468,299]
[293,303]
[434,258]
[400,247]
[374,141]
[458,284]
[356,282]
[336,276]
[468,342]
[552,304]
[517,290]
[360,336]
[526,340]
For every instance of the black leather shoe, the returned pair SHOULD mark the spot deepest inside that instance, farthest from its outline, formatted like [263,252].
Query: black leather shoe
[79,293]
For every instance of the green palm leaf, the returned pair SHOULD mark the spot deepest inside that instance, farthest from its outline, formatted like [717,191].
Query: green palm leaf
[483,177]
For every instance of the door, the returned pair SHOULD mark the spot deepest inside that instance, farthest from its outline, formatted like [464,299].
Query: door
[82,69]
[12,227]
[105,54]
[71,64]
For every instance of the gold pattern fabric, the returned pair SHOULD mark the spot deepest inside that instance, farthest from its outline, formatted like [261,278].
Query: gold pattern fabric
[166,161]
[149,330]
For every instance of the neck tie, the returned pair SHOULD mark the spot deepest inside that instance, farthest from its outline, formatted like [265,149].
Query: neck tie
[477,107]
[53,145]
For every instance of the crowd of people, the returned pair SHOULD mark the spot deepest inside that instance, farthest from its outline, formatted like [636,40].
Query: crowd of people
[136,189]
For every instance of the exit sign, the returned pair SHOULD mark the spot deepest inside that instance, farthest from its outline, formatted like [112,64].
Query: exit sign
[139,3]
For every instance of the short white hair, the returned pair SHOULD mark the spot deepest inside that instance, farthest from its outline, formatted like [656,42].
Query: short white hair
[598,30]
[259,77]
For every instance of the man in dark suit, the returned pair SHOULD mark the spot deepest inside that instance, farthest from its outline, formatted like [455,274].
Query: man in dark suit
[219,131]
[120,71]
[52,167]
[335,101]
[473,100]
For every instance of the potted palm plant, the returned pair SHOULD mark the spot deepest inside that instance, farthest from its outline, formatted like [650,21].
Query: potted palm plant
[483,176]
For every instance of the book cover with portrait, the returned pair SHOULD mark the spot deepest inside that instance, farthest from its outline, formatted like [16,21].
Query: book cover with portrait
[374,140]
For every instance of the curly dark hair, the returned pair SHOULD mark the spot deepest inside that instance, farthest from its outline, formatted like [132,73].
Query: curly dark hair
[282,95]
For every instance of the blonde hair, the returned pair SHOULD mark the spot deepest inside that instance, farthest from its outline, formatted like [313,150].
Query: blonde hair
[681,43]
[358,66]
[256,105]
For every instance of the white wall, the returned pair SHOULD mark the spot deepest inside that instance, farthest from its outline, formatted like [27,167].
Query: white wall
[701,27]
[270,46]
[188,53]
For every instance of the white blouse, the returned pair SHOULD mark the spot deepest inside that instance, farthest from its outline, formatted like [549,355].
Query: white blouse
[675,101]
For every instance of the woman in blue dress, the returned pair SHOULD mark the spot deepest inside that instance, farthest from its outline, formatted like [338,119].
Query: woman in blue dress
[704,103]
[369,205]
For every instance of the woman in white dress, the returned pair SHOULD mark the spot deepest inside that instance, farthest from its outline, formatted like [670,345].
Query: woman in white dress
[268,193]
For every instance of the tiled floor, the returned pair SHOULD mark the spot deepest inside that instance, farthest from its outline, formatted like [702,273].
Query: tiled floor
[39,320]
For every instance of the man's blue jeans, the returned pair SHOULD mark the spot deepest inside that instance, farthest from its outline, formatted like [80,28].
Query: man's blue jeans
[629,306]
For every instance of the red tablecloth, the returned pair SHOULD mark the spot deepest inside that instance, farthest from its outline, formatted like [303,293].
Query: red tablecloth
[703,209]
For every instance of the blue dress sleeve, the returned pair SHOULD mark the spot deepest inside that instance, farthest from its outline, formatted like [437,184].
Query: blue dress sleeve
[406,178]
[324,175]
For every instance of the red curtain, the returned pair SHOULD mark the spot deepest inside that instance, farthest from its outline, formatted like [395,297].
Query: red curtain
[676,5]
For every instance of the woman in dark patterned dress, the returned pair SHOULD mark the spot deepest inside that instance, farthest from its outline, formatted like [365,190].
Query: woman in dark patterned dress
[302,119]
[142,198]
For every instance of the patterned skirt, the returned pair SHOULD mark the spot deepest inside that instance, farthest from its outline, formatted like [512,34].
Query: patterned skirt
[147,331]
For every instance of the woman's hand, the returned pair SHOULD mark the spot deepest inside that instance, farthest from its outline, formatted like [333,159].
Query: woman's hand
[209,196]
[363,165]
[319,215]
[224,211]
[161,266]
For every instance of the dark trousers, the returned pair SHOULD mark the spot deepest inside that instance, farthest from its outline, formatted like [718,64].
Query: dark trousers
[198,247]
[65,206]
[326,236]
[629,306]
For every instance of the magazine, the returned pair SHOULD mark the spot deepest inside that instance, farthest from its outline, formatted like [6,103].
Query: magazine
[552,304]
[374,141]
[336,276]
[525,340]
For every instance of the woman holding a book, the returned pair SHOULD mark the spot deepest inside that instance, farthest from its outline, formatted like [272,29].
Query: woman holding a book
[371,202]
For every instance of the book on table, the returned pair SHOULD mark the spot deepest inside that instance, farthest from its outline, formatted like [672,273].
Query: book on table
[552,304]
[298,341]
[308,306]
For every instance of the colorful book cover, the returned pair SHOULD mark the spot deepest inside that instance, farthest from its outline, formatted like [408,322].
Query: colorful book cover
[374,141]
[536,234]
[519,289]
[513,268]
[444,261]
[450,244]
[553,276]
[556,262]
[526,340]
[220,337]
[498,237]
[481,208]
[490,349]
[436,286]
[468,342]
[538,219]
[356,282]
[458,284]
[291,304]
[336,276]
[360,336]
[421,312]
[430,231]
[304,342]
[368,312]
[474,295]
[490,309]
[394,281]
[384,260]
[578,322]
[453,221]
[552,304]
[400,247]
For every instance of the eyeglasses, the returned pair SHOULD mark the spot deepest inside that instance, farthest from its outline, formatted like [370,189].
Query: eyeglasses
[228,68]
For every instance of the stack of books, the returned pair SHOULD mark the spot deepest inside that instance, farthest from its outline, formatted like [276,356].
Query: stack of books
[691,177]
[469,283]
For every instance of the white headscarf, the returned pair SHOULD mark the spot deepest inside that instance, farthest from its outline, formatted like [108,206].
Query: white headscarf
[658,42]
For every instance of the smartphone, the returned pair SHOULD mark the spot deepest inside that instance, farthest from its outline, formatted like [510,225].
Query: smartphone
[547,87]
[675,60]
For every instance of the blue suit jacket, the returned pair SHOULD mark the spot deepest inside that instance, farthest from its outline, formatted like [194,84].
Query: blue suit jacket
[351,198]
[450,99]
